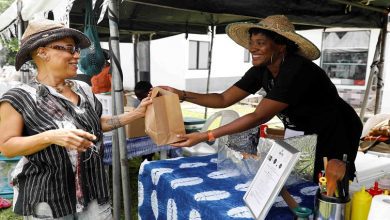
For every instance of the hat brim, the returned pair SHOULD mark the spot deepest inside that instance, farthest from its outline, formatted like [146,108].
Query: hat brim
[239,32]
[41,39]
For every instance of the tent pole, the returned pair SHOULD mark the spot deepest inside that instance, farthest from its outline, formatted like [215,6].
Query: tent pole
[116,175]
[136,64]
[116,180]
[19,6]
[209,65]
[373,72]
[379,88]
[119,134]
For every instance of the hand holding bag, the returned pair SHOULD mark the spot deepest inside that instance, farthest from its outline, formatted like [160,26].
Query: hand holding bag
[163,118]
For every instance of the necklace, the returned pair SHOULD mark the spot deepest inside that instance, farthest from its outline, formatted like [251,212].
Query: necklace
[60,88]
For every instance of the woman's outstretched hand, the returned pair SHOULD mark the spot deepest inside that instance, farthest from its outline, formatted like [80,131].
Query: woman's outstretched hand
[171,89]
[141,109]
[74,139]
[190,139]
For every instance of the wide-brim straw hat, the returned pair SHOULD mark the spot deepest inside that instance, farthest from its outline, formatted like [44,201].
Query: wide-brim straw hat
[278,24]
[41,32]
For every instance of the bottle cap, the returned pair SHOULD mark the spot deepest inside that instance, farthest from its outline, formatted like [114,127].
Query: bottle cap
[375,190]
[362,194]
[302,212]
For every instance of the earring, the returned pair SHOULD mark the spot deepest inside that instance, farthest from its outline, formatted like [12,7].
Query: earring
[283,59]
[43,57]
[272,58]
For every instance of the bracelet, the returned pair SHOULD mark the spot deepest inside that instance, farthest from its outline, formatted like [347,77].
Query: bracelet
[210,136]
[184,95]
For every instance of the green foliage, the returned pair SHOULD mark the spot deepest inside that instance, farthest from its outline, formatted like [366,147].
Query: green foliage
[8,52]
[7,214]
[9,49]
[4,4]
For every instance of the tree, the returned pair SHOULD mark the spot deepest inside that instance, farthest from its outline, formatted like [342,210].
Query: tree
[4,4]
[8,52]
[8,48]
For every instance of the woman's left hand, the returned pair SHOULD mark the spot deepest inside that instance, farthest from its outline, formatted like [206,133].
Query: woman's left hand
[191,139]
[141,109]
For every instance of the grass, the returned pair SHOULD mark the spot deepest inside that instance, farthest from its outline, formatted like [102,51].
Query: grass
[7,214]
[134,164]
[188,110]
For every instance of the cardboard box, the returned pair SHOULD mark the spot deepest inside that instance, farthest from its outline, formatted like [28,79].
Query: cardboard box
[106,100]
[136,128]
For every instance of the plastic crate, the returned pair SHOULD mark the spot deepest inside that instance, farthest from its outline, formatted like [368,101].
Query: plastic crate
[6,167]
[106,101]
[135,147]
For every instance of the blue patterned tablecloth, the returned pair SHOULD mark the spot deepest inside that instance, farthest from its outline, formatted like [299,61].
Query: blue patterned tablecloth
[193,188]
[135,147]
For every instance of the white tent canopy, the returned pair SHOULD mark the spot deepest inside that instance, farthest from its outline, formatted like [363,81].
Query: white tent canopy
[35,9]
[357,40]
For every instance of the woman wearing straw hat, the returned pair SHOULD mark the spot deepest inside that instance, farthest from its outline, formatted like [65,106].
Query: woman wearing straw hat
[298,91]
[57,125]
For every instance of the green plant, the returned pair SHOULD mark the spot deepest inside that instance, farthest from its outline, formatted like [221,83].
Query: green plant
[9,50]
[4,4]
[8,214]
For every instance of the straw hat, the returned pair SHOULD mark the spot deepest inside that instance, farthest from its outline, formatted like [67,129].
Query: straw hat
[41,32]
[278,24]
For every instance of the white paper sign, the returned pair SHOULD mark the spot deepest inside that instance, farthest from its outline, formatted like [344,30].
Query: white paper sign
[270,178]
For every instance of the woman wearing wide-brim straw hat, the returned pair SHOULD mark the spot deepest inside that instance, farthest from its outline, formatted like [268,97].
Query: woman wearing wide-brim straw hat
[56,124]
[298,91]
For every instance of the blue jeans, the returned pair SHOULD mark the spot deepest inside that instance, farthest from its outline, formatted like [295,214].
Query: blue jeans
[93,211]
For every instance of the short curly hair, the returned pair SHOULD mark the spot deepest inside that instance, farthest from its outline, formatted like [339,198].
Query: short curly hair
[142,89]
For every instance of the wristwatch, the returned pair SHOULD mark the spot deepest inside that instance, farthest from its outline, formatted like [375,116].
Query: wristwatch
[210,136]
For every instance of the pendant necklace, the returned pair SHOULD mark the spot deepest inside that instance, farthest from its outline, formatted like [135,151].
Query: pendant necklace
[60,88]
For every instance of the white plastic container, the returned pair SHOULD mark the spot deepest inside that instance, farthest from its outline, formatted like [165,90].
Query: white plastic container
[384,182]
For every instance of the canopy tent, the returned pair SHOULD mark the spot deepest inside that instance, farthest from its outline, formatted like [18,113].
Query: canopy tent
[153,19]
[28,10]
[189,16]
[164,18]
[168,17]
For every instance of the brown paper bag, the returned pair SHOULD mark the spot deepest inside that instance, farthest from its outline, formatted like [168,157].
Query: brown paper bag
[163,118]
[135,128]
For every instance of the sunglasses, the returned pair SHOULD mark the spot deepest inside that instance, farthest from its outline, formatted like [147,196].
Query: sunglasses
[93,150]
[69,49]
